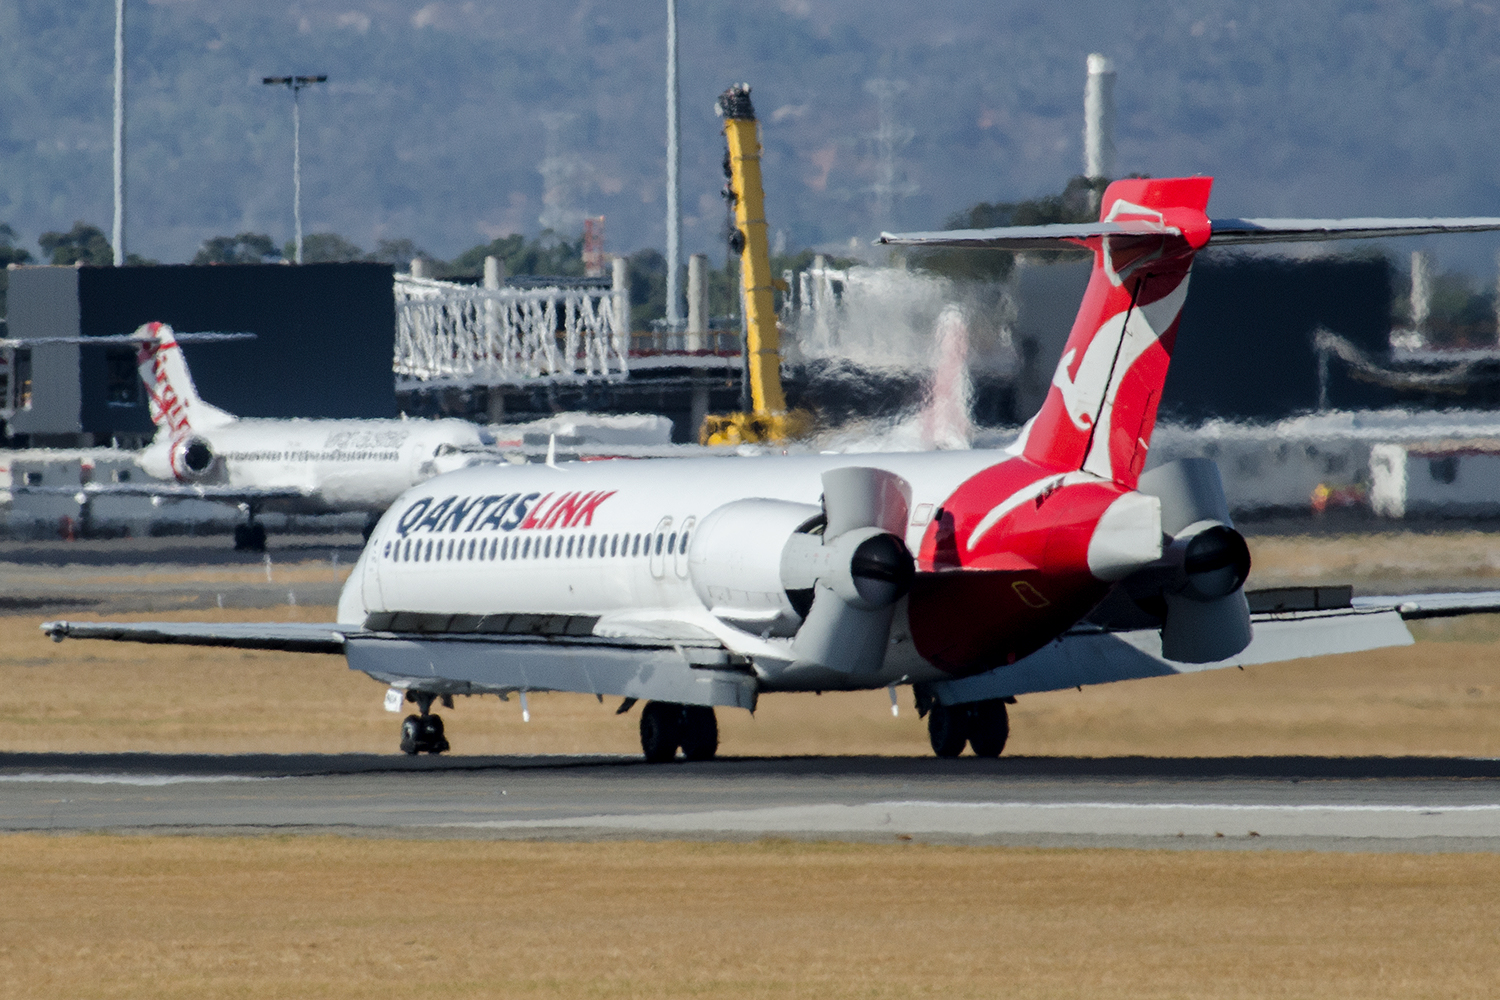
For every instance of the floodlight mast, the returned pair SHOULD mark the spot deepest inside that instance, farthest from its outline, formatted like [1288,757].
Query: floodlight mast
[295,85]
[118,233]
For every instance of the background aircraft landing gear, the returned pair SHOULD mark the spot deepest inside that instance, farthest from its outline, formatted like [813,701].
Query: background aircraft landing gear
[665,726]
[250,536]
[424,733]
[983,725]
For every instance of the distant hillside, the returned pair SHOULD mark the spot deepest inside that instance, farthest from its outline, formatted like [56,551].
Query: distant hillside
[435,120]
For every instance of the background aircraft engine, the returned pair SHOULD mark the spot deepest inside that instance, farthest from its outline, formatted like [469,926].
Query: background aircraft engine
[1201,577]
[734,561]
[856,571]
[193,459]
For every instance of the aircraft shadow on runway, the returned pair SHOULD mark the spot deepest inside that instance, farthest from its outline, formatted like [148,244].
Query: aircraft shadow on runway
[1118,768]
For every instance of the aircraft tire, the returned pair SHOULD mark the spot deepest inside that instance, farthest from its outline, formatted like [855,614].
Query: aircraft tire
[433,740]
[411,735]
[700,732]
[241,537]
[661,731]
[947,729]
[989,727]
[257,538]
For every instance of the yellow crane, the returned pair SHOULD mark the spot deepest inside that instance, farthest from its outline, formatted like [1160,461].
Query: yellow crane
[768,419]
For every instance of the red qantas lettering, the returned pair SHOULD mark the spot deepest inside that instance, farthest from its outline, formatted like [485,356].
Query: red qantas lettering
[562,511]
[585,513]
[532,521]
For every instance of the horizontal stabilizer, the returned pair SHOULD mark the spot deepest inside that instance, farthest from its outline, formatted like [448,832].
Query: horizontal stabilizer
[1226,232]
[1234,232]
[1051,237]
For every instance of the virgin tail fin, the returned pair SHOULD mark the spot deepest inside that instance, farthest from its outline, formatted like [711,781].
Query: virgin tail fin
[176,407]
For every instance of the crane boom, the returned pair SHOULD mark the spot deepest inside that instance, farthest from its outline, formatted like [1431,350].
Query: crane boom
[763,345]
[768,419]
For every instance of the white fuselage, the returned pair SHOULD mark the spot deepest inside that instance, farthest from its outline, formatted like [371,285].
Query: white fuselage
[338,465]
[607,539]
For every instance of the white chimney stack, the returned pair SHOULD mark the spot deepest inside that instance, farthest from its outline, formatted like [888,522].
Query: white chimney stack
[1099,118]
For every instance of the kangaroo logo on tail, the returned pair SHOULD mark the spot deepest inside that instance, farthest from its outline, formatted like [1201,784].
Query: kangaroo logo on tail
[175,405]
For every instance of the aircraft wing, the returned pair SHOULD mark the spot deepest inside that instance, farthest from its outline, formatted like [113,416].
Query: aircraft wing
[166,491]
[546,658]
[1293,624]
[296,637]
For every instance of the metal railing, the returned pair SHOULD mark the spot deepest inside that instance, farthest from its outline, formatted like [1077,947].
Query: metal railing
[470,336]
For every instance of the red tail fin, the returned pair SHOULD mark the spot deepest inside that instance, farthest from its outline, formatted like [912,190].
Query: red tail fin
[1101,409]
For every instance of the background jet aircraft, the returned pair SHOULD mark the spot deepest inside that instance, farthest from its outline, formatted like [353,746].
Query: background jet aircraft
[971,576]
[292,466]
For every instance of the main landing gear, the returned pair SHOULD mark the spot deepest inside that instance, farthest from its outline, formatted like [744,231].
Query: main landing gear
[666,726]
[424,733]
[250,536]
[983,725]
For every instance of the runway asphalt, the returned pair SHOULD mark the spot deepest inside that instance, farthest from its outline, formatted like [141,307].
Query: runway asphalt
[1359,804]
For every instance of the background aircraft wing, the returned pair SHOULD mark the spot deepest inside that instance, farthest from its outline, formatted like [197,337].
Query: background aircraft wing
[166,491]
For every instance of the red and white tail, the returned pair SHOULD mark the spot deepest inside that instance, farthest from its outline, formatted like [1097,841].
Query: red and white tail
[1101,407]
[176,407]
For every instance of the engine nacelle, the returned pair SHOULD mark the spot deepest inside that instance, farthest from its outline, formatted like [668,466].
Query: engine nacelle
[857,571]
[735,564]
[1200,579]
[193,459]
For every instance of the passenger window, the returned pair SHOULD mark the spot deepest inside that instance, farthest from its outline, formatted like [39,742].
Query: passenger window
[592,540]
[427,552]
[614,545]
[387,550]
[570,546]
[635,549]
[526,550]
[659,540]
[672,543]
[683,544]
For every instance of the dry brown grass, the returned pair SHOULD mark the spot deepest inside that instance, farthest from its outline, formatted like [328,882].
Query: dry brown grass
[1441,696]
[99,916]
[1377,559]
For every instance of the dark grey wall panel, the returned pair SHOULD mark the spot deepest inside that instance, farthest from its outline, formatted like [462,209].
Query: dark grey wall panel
[325,336]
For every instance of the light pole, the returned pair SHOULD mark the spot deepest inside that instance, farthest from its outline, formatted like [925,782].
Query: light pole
[295,85]
[674,185]
[119,227]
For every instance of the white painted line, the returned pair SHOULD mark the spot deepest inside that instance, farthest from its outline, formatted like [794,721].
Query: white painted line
[143,780]
[1144,819]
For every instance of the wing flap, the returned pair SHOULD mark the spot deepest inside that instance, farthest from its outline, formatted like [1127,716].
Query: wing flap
[475,666]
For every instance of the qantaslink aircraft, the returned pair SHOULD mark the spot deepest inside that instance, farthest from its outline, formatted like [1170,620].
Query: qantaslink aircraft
[293,466]
[971,576]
